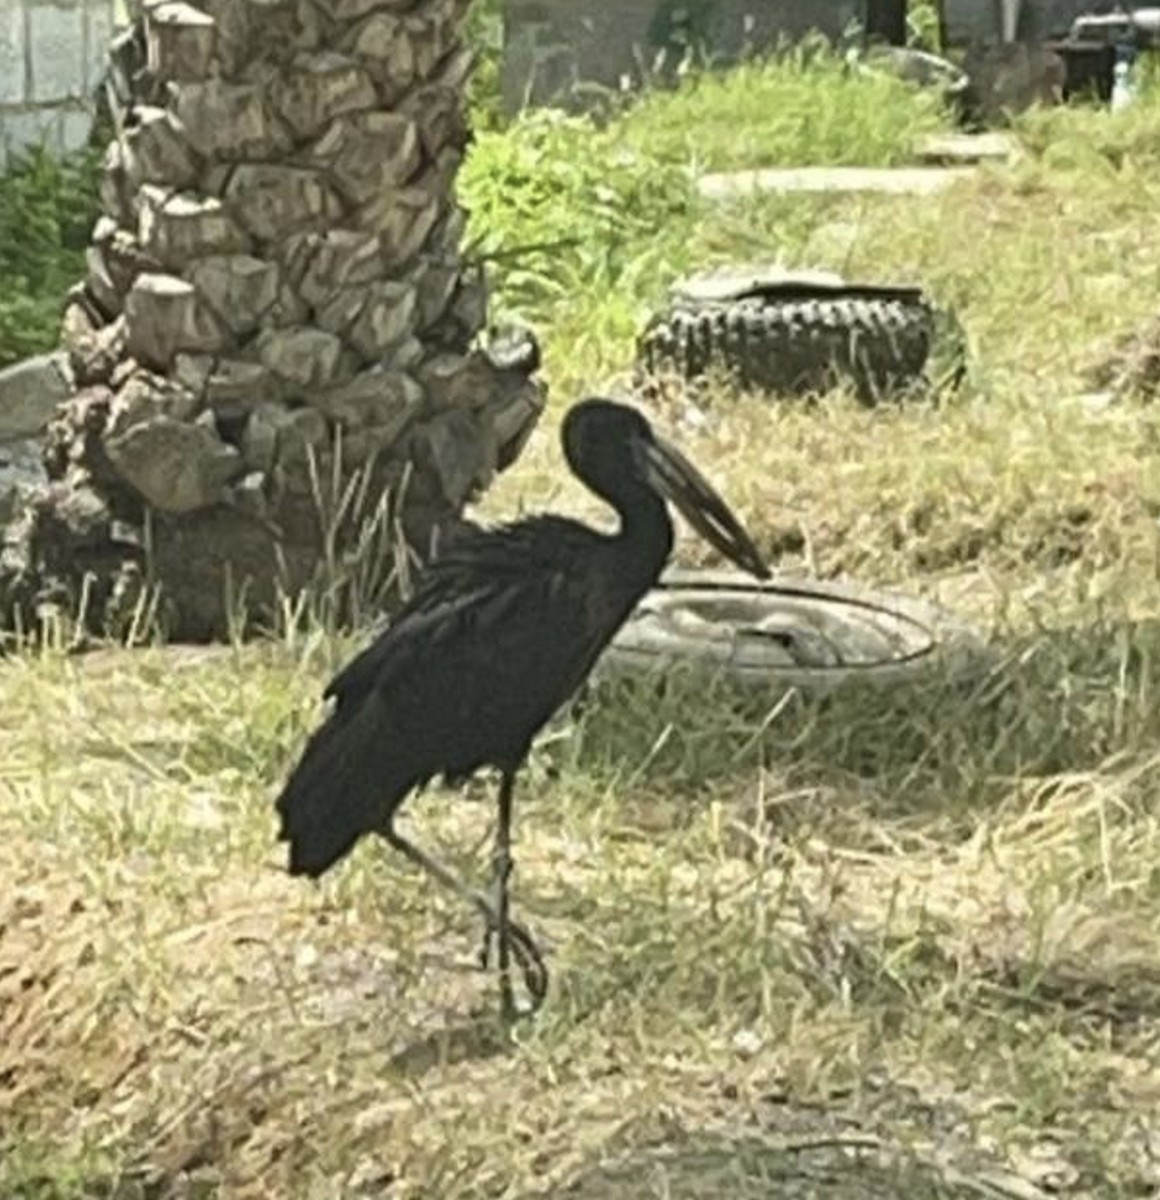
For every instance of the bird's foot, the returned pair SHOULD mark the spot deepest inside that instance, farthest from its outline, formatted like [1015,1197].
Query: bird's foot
[527,955]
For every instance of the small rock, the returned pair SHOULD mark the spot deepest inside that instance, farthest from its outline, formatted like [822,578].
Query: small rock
[145,397]
[453,450]
[747,1043]
[338,259]
[382,43]
[469,308]
[165,316]
[308,359]
[406,356]
[448,234]
[436,286]
[386,399]
[454,70]
[319,88]
[271,201]
[234,32]
[175,466]
[289,29]
[116,188]
[514,418]
[260,436]
[121,259]
[99,281]
[1045,1165]
[192,371]
[79,324]
[94,353]
[457,380]
[289,309]
[386,318]
[303,435]
[295,253]
[249,494]
[441,118]
[368,154]
[360,446]
[427,35]
[103,231]
[172,229]
[30,392]
[80,510]
[341,310]
[235,386]
[404,218]
[125,369]
[181,40]
[274,432]
[239,288]
[158,151]
[231,121]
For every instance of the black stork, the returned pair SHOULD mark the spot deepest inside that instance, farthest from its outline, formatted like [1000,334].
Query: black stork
[504,625]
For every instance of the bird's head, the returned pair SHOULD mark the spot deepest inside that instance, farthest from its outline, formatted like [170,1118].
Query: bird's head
[612,447]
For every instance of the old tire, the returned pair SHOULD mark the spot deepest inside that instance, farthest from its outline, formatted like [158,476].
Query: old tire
[797,341]
[812,635]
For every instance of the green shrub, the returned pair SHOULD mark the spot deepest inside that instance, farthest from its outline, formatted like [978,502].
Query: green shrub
[47,209]
[562,207]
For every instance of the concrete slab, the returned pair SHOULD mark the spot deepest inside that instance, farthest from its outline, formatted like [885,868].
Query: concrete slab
[963,148]
[30,392]
[917,181]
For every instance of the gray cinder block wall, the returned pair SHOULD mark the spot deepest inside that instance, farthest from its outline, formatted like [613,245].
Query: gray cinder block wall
[52,58]
[982,20]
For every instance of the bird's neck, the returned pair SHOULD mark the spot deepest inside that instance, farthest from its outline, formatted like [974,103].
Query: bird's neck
[646,535]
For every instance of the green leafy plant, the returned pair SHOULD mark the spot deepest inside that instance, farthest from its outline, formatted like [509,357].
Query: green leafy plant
[562,207]
[47,209]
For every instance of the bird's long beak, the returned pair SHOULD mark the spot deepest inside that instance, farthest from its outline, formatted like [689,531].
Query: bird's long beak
[671,473]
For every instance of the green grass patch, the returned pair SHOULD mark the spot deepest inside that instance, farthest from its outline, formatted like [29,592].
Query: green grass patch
[806,108]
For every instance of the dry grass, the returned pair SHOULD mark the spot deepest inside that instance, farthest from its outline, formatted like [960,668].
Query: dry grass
[906,949]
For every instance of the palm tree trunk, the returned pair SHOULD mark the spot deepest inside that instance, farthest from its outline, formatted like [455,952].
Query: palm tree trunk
[275,303]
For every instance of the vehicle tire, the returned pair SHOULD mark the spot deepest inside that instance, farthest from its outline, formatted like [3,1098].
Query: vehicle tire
[812,635]
[796,338]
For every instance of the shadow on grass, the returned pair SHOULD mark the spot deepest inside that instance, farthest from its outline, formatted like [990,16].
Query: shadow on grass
[842,1164]
[478,1038]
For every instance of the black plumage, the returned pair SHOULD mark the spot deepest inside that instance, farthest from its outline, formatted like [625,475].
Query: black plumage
[503,627]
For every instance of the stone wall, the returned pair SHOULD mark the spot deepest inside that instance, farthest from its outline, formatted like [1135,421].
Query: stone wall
[52,59]
[568,51]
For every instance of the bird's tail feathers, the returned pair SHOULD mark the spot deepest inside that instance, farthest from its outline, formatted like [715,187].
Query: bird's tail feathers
[342,788]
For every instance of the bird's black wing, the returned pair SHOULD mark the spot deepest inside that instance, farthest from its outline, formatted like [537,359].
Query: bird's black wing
[479,576]
[502,628]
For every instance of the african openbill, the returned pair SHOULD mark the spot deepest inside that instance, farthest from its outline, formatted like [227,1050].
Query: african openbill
[504,625]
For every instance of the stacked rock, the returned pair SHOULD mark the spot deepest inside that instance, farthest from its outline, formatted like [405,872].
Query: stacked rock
[275,296]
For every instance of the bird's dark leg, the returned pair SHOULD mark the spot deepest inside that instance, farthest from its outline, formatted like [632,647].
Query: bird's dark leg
[519,940]
[501,869]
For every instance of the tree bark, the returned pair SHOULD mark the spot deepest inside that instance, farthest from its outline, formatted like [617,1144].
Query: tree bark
[279,386]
